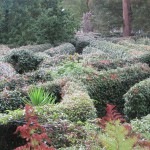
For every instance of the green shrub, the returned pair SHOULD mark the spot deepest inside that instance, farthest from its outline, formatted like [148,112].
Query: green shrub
[145,58]
[91,50]
[40,75]
[35,22]
[77,103]
[16,82]
[80,42]
[72,69]
[63,49]
[134,46]
[38,97]
[143,41]
[109,86]
[54,88]
[10,100]
[142,126]
[23,60]
[36,48]
[6,70]
[53,61]
[115,50]
[137,100]
[92,57]
[107,64]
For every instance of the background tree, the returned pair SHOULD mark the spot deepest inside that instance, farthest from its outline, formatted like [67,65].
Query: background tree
[126,4]
[107,15]
[36,21]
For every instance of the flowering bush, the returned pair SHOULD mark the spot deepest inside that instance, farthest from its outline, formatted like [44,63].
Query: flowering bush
[137,100]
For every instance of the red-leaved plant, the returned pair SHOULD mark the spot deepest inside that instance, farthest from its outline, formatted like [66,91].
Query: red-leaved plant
[111,116]
[33,132]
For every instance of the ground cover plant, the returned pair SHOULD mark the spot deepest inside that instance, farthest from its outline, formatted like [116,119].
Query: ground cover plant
[69,86]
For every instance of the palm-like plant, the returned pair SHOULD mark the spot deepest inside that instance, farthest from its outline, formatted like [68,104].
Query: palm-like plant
[39,97]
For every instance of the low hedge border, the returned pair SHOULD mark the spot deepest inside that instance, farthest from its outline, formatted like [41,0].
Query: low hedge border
[110,86]
[137,100]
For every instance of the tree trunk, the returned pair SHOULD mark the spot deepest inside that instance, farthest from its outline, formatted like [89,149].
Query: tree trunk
[126,17]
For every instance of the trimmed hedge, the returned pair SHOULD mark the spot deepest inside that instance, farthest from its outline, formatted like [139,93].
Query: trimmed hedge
[142,126]
[110,86]
[6,70]
[10,100]
[35,48]
[115,50]
[145,58]
[66,48]
[137,100]
[76,103]
[23,60]
[75,106]
[107,64]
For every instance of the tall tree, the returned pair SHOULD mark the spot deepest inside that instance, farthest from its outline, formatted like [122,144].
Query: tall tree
[126,17]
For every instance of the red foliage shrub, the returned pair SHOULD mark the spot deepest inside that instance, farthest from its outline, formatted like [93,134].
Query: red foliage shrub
[33,132]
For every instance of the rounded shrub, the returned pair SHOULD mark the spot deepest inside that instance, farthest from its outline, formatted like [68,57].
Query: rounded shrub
[40,75]
[53,88]
[10,100]
[77,104]
[6,70]
[115,50]
[142,126]
[145,58]
[143,41]
[23,60]
[36,48]
[64,49]
[110,86]
[137,100]
[107,64]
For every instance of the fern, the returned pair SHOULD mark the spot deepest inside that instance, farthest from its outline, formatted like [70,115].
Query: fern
[116,137]
[111,115]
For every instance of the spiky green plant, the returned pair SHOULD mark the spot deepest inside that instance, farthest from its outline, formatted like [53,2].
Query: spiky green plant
[39,97]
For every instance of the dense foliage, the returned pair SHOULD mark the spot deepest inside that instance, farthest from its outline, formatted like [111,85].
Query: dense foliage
[36,21]
[23,60]
[137,100]
[110,86]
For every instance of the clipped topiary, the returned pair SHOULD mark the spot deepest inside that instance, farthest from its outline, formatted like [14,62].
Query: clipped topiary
[10,100]
[110,86]
[76,102]
[145,58]
[137,100]
[40,75]
[66,48]
[6,70]
[23,60]
[35,48]
[142,126]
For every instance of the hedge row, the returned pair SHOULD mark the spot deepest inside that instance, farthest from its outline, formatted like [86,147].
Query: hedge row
[75,106]
[137,100]
[107,64]
[115,50]
[23,60]
[66,48]
[110,86]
